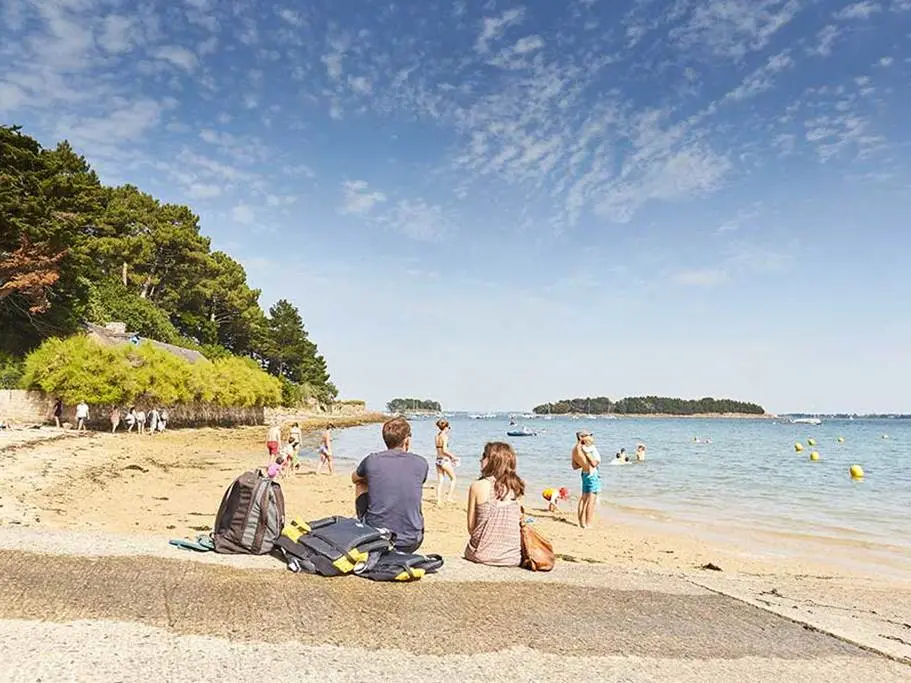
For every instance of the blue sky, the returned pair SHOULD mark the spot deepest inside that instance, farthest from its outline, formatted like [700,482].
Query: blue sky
[498,204]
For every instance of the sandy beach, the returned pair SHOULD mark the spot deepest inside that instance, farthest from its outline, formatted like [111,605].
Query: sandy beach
[123,496]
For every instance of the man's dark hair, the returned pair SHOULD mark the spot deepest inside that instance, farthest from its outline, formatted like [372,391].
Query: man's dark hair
[395,431]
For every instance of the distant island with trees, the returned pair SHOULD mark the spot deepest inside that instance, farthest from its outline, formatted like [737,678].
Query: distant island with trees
[649,405]
[413,405]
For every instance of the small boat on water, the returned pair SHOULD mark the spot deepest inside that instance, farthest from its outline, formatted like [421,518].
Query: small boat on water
[521,432]
[806,421]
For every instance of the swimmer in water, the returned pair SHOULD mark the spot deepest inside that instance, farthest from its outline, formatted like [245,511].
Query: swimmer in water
[640,452]
[621,457]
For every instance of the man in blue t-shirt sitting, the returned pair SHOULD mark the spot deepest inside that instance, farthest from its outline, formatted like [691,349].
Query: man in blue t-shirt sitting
[389,485]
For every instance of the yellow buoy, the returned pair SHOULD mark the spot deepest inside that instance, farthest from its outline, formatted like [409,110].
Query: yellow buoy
[814,456]
[840,439]
[811,442]
[798,447]
[857,472]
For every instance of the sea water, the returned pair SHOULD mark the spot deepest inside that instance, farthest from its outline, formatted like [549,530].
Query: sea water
[748,477]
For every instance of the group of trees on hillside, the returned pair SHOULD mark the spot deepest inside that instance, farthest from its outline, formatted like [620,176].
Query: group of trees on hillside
[74,250]
[648,405]
[404,405]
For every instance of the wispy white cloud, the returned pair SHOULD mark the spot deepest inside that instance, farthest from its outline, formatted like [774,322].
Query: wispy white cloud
[739,258]
[203,190]
[292,17]
[118,34]
[417,220]
[11,97]
[358,199]
[360,85]
[859,10]
[243,214]
[280,200]
[333,59]
[493,28]
[734,28]
[826,38]
[665,176]
[178,56]
[198,165]
[701,277]
[762,78]
[126,121]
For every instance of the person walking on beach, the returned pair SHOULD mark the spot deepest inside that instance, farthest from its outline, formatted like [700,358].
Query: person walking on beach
[388,487]
[494,509]
[585,457]
[140,421]
[163,420]
[153,421]
[82,414]
[131,419]
[445,462]
[325,450]
[115,419]
[58,412]
[295,436]
[273,437]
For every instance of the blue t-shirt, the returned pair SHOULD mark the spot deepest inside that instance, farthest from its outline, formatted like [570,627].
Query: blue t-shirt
[395,480]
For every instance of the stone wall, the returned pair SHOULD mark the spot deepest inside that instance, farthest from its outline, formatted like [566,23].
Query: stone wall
[283,414]
[29,407]
[34,407]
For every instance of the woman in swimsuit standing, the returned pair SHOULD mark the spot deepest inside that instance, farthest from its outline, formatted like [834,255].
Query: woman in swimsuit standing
[325,450]
[446,461]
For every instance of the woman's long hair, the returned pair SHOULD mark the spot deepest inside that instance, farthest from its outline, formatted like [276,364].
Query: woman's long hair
[499,462]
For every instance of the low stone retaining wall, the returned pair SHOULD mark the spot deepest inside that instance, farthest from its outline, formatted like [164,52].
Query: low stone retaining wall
[35,407]
[30,407]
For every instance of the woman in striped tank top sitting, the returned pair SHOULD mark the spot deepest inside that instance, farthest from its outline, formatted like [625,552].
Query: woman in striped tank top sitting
[494,509]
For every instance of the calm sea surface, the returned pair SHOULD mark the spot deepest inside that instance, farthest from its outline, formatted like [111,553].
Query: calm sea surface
[748,477]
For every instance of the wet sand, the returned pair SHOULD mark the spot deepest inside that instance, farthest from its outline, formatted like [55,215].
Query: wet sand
[102,505]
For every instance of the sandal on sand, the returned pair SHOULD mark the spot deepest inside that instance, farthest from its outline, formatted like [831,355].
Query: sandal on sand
[202,544]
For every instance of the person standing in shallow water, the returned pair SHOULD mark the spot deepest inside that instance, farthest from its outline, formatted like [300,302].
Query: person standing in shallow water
[445,462]
[325,450]
[585,457]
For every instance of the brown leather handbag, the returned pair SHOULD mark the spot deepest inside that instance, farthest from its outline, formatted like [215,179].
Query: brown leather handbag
[537,551]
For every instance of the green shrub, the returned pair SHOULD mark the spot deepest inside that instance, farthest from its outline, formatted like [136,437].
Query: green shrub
[79,368]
